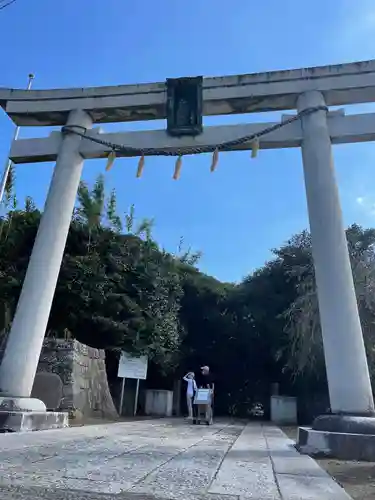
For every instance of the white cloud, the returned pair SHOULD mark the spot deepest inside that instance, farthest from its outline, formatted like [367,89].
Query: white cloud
[367,204]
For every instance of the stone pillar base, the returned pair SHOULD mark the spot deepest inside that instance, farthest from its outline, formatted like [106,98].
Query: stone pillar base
[339,436]
[11,404]
[18,421]
[350,424]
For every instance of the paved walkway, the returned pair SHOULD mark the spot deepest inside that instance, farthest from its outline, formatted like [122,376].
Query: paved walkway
[160,459]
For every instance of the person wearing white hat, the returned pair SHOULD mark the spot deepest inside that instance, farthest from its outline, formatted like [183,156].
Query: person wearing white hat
[191,389]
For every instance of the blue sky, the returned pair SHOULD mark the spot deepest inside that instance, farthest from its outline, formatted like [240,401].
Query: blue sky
[248,206]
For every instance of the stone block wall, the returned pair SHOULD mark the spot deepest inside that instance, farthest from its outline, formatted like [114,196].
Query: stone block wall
[83,374]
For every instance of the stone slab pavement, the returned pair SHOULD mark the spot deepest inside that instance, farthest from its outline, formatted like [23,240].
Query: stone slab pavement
[160,459]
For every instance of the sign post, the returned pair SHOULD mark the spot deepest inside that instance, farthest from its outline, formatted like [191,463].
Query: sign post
[8,164]
[122,396]
[131,367]
[136,398]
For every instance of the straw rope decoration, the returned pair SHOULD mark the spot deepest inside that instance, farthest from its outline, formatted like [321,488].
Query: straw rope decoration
[252,140]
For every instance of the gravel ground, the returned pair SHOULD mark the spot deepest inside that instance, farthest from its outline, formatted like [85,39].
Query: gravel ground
[358,478]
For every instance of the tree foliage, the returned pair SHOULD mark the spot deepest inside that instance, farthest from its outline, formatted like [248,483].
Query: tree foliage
[302,316]
[117,289]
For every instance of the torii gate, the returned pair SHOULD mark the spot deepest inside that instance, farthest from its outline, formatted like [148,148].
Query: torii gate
[308,90]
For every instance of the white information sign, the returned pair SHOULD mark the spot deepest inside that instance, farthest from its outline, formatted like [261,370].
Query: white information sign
[132,367]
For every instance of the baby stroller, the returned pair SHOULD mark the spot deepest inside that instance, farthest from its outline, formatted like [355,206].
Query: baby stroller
[203,406]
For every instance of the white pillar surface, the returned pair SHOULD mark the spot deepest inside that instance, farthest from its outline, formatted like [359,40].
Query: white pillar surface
[346,362]
[21,357]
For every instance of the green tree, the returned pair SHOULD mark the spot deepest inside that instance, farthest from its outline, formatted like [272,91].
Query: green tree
[124,293]
[117,289]
[303,324]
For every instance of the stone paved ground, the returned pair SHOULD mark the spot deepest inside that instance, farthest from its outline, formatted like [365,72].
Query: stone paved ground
[160,459]
[358,478]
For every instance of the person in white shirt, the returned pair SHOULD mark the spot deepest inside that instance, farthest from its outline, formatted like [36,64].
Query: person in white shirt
[190,390]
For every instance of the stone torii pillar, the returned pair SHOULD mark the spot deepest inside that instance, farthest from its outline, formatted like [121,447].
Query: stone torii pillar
[21,357]
[346,363]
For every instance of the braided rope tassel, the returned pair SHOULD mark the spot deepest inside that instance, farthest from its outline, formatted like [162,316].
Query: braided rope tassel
[110,160]
[215,160]
[177,168]
[188,150]
[141,165]
[254,147]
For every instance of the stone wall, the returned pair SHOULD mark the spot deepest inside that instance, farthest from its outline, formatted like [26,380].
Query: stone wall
[83,374]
